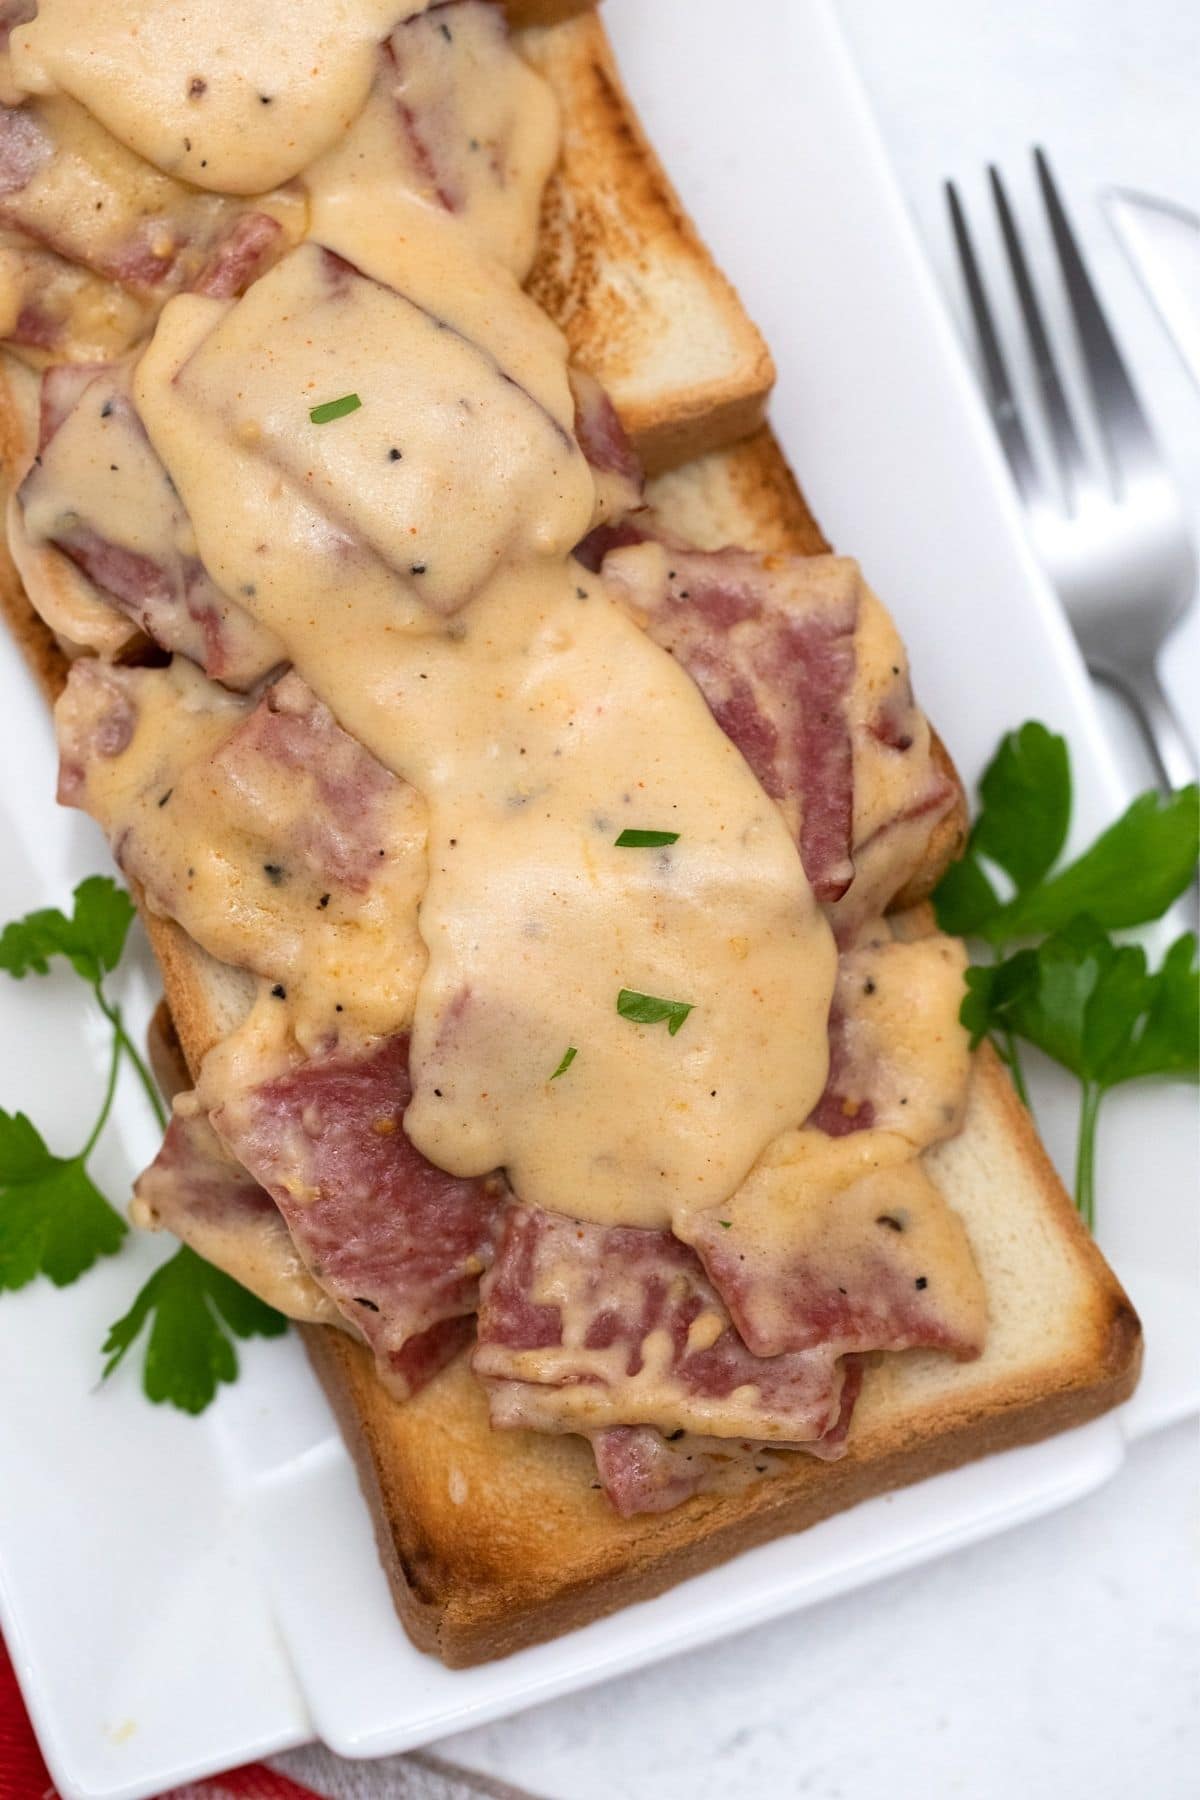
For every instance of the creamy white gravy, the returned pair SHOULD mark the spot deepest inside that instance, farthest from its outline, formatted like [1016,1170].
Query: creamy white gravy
[224,93]
[431,601]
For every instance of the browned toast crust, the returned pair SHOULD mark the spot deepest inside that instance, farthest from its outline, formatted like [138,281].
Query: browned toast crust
[530,1548]
[612,228]
[492,1540]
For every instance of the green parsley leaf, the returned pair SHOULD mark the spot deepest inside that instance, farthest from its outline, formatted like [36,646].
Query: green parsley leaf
[1131,873]
[92,939]
[1129,876]
[1093,1006]
[646,1009]
[1168,1042]
[1077,996]
[645,840]
[334,409]
[965,900]
[53,1220]
[1090,1004]
[1025,809]
[569,1056]
[193,1308]
[725,1224]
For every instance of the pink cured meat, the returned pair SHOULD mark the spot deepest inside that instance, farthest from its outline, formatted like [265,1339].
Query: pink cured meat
[835,1113]
[24,149]
[626,1284]
[63,387]
[436,134]
[192,1175]
[871,1301]
[238,258]
[641,1471]
[772,651]
[291,729]
[215,248]
[192,1181]
[12,14]
[602,436]
[399,1244]
[103,716]
[171,598]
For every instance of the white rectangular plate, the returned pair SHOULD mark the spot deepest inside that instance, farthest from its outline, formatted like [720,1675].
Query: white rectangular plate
[180,1596]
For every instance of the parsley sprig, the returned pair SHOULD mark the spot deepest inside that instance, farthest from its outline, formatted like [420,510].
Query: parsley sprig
[193,1308]
[54,1221]
[92,940]
[1090,1003]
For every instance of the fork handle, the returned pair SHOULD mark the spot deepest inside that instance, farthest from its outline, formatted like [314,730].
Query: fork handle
[1169,745]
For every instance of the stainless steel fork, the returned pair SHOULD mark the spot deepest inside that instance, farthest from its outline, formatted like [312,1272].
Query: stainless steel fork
[1113,539]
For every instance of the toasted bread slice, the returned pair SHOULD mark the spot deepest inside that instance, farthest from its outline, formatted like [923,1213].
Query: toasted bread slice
[621,269]
[746,494]
[496,1540]
[492,1540]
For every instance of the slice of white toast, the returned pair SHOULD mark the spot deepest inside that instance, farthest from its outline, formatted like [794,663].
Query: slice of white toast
[621,269]
[497,1540]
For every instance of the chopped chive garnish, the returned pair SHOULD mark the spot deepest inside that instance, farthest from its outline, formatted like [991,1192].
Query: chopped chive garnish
[568,1058]
[334,409]
[646,1009]
[725,1224]
[645,840]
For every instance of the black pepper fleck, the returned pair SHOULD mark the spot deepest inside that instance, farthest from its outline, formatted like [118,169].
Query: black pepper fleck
[922,1281]
[868,986]
[265,99]
[197,86]
[323,902]
[438,1092]
[395,455]
[279,991]
[581,593]
[890,1220]
[106,411]
[417,568]
[446,33]
[274,873]
[339,1007]
[163,798]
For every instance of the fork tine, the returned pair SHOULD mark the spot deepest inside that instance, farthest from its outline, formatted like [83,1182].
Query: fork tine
[1000,397]
[1126,432]
[1067,447]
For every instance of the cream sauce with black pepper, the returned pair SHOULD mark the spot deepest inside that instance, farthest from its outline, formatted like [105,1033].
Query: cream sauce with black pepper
[413,559]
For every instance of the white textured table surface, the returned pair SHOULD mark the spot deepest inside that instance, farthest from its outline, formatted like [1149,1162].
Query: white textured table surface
[1062,1660]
